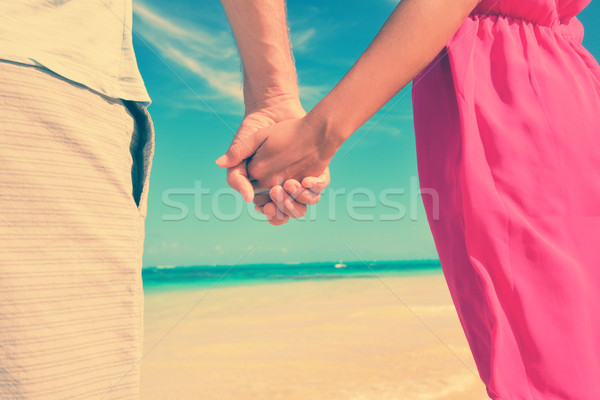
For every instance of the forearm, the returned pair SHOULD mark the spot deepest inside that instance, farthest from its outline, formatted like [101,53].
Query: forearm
[261,33]
[412,36]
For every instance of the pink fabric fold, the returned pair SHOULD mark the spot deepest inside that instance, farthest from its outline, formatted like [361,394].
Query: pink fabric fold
[507,124]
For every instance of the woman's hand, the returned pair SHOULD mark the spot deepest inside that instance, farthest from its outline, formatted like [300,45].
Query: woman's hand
[292,149]
[247,139]
[291,199]
[249,136]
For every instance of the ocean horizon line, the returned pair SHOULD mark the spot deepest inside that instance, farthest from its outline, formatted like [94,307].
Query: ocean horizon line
[295,263]
[249,274]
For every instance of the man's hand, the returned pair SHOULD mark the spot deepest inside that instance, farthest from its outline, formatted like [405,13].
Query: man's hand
[250,136]
[247,139]
[270,84]
[292,149]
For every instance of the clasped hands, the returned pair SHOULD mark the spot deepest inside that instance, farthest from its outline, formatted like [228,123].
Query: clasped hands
[279,159]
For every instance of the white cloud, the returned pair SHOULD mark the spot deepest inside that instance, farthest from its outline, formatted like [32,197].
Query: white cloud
[209,56]
[226,83]
[312,94]
[209,59]
[300,39]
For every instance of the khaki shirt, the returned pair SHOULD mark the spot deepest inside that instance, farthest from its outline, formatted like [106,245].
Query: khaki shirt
[85,41]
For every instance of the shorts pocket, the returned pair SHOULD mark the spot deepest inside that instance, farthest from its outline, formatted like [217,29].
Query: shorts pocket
[142,152]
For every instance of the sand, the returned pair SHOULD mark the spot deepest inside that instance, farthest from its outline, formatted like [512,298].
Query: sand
[355,339]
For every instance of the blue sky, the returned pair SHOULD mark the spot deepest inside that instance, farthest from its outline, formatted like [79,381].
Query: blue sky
[191,68]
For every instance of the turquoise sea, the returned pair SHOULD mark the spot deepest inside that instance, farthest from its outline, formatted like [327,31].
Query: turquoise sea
[176,277]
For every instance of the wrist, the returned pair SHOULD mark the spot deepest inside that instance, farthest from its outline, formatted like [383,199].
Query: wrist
[328,133]
[261,93]
[279,107]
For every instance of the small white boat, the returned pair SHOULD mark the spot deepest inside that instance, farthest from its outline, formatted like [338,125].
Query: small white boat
[165,266]
[340,265]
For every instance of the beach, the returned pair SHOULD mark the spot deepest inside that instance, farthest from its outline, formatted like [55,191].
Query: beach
[380,338]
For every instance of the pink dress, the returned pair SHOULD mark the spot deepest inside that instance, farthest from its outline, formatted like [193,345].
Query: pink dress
[507,122]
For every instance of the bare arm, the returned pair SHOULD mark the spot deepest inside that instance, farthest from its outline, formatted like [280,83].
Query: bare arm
[270,90]
[261,33]
[412,36]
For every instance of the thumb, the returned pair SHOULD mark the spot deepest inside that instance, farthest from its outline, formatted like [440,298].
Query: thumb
[238,151]
[245,143]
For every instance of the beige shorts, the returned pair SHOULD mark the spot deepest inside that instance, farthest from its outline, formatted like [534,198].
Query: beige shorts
[74,168]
